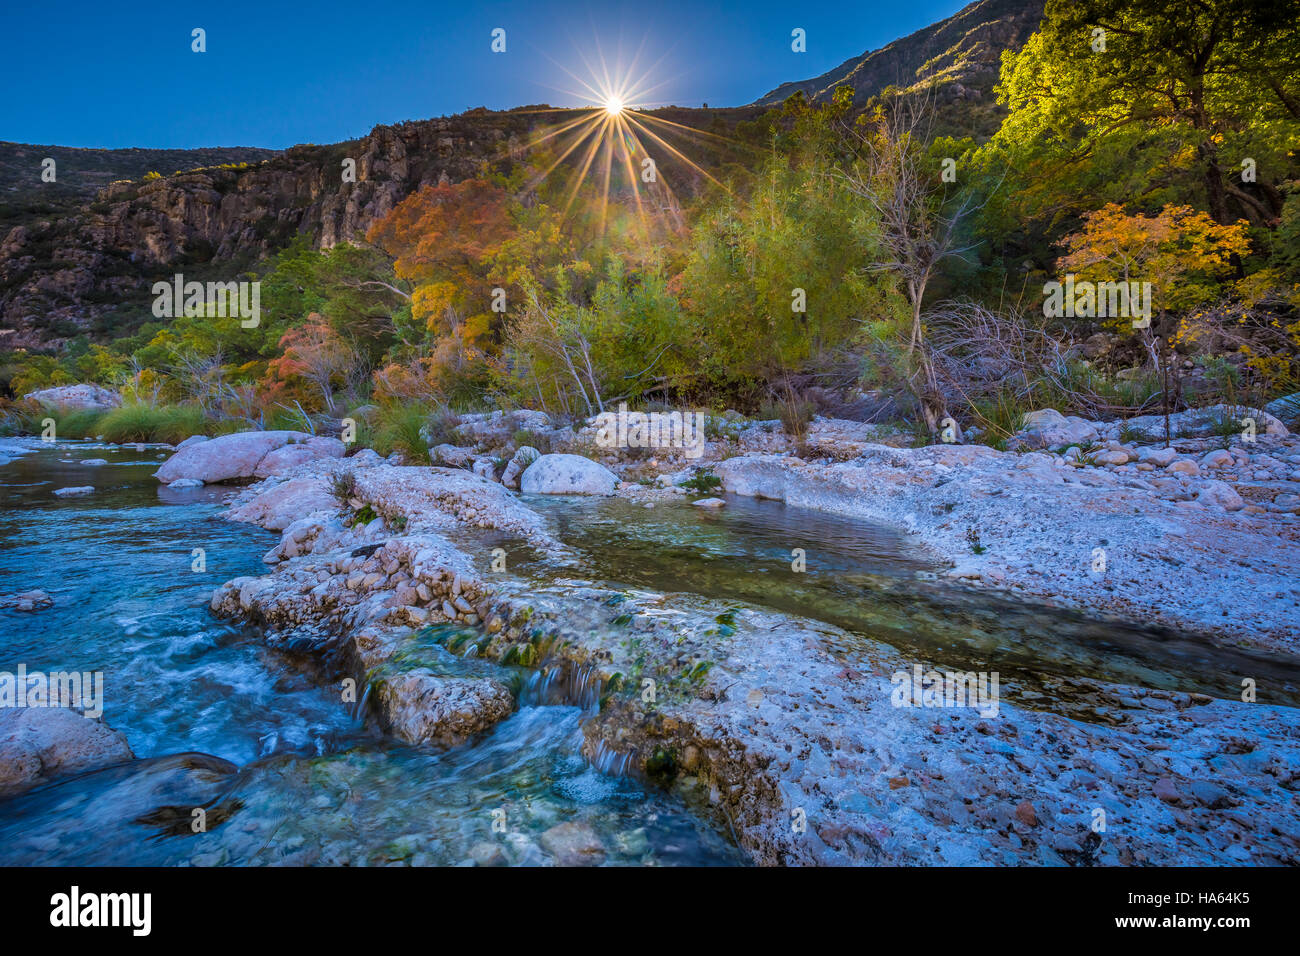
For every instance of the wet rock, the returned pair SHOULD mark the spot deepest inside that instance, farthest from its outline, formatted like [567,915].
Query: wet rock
[182,483]
[40,743]
[421,707]
[76,492]
[36,600]
[567,475]
[488,854]
[710,503]
[573,844]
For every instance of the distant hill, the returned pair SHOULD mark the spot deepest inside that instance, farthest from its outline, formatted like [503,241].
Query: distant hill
[81,173]
[963,53]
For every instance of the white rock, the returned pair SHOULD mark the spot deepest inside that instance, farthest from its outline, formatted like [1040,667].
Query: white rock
[239,455]
[524,456]
[74,492]
[1218,493]
[76,397]
[567,475]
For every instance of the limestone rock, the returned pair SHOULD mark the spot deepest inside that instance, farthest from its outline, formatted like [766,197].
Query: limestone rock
[76,397]
[1048,428]
[232,456]
[567,475]
[40,743]
[422,707]
[524,456]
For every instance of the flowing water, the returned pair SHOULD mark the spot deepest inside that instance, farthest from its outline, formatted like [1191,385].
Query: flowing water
[289,775]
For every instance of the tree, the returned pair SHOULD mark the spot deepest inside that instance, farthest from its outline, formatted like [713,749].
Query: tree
[917,226]
[1180,251]
[1222,76]
[315,353]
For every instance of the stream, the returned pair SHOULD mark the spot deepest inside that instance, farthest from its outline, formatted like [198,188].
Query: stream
[291,774]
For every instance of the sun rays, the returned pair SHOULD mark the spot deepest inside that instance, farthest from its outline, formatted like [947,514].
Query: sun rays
[616,146]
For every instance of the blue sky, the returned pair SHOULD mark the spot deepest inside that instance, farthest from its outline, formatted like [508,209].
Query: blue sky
[83,74]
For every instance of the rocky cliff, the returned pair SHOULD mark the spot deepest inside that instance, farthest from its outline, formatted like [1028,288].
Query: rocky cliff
[82,269]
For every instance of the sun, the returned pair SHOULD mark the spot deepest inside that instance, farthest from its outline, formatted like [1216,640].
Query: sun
[611,135]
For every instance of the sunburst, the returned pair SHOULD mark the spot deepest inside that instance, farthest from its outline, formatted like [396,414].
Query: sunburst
[614,129]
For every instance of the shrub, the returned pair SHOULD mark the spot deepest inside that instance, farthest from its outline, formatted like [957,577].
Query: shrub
[703,481]
[526,436]
[795,415]
[147,423]
[402,428]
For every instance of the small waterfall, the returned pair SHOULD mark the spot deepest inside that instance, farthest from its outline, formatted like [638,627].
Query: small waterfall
[564,684]
[608,760]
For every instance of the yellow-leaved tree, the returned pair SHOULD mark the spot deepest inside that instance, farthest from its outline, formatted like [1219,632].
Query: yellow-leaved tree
[1183,253]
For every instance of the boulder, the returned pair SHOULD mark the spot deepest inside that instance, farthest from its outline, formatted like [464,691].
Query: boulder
[759,476]
[76,397]
[1286,409]
[40,743]
[290,456]
[567,475]
[1221,494]
[1195,423]
[422,707]
[451,456]
[1153,455]
[192,440]
[230,457]
[709,503]
[1048,428]
[524,456]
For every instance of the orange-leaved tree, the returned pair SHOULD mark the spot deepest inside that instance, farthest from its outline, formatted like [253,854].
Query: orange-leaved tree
[1181,252]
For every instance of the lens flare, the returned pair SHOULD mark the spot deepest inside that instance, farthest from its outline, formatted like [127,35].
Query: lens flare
[614,136]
